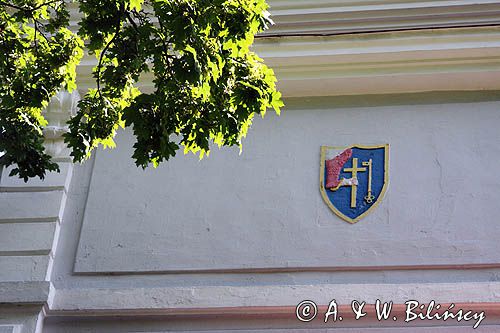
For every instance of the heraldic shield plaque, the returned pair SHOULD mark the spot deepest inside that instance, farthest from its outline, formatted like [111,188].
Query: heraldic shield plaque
[353,179]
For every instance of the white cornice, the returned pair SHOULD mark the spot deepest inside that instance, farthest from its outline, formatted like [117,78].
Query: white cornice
[25,292]
[384,63]
[352,47]
[202,297]
[298,17]
[465,59]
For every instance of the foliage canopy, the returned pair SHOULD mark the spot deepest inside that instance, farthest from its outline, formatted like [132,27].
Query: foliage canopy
[207,83]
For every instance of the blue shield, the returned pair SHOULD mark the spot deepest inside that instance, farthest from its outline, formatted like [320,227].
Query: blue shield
[353,179]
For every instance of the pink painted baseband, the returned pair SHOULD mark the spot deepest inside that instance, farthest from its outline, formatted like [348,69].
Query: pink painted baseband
[491,310]
[302,269]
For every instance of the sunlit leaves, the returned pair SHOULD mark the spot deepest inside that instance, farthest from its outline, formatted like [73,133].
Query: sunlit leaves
[38,57]
[207,83]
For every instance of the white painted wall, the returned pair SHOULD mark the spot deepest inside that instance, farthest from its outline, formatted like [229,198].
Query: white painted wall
[30,217]
[263,209]
[136,248]
[105,247]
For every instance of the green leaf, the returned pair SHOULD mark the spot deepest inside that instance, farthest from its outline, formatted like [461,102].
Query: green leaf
[207,84]
[136,4]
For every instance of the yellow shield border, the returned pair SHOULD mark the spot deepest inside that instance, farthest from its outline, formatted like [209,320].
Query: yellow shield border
[322,179]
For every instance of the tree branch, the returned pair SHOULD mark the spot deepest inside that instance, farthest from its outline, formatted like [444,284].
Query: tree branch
[131,21]
[3,3]
[47,4]
[101,56]
[40,31]
[27,9]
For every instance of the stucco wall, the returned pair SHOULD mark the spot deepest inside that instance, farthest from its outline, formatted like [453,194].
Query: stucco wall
[235,242]
[164,249]
[263,209]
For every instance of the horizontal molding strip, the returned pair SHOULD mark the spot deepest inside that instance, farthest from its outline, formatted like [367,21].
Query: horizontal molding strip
[345,16]
[24,253]
[26,239]
[30,220]
[24,292]
[230,296]
[301,269]
[296,17]
[460,59]
[354,33]
[256,312]
[32,188]
[24,268]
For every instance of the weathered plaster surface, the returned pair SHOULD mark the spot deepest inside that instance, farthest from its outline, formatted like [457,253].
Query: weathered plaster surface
[17,319]
[438,209]
[278,295]
[252,230]
[30,217]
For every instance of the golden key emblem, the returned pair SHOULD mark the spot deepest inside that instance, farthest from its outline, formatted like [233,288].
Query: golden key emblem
[369,197]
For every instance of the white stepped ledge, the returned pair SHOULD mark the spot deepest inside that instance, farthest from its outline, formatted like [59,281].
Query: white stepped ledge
[296,17]
[459,59]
